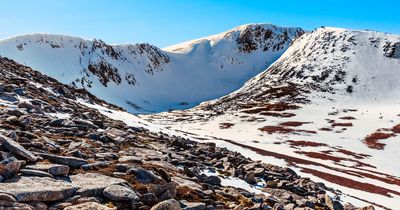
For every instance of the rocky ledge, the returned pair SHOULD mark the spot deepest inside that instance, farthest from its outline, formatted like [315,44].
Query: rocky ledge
[58,154]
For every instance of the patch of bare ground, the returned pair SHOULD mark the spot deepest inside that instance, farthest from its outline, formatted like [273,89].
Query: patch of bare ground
[347,118]
[225,125]
[293,123]
[396,129]
[325,129]
[373,140]
[284,130]
[275,110]
[340,180]
[342,124]
[301,143]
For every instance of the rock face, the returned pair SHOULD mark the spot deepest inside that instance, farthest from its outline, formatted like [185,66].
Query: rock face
[60,154]
[38,189]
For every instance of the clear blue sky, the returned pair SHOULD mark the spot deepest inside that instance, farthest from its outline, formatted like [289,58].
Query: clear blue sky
[166,22]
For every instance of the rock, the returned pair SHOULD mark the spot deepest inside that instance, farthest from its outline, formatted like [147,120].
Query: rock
[213,180]
[93,184]
[37,205]
[37,189]
[332,205]
[30,172]
[160,189]
[9,167]
[193,206]
[53,169]
[250,178]
[7,197]
[149,199]
[130,159]
[142,175]
[73,162]
[367,208]
[120,193]
[170,204]
[8,97]
[89,206]
[164,174]
[16,148]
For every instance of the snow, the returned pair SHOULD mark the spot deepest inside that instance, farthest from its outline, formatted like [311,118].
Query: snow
[204,69]
[375,99]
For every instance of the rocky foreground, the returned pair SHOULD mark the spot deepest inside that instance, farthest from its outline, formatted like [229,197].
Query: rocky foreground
[58,154]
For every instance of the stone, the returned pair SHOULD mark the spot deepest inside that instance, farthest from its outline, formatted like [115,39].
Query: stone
[37,189]
[73,162]
[7,197]
[89,206]
[16,148]
[120,193]
[193,205]
[213,180]
[250,178]
[130,159]
[332,205]
[53,169]
[30,172]
[93,184]
[170,204]
[142,175]
[149,199]
[9,167]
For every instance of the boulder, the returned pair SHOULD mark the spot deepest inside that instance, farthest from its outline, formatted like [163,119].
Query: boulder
[120,193]
[9,167]
[193,205]
[170,204]
[16,148]
[93,184]
[38,189]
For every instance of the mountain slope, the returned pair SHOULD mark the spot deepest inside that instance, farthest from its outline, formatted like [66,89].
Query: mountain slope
[143,78]
[59,150]
[329,107]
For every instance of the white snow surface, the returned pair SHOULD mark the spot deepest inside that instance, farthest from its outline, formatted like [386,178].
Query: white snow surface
[143,78]
[324,63]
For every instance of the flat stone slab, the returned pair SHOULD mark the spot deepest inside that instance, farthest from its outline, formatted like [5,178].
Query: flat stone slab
[38,189]
[64,160]
[93,184]
[53,169]
[16,148]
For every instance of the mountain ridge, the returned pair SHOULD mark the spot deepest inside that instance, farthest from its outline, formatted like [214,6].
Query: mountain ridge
[145,73]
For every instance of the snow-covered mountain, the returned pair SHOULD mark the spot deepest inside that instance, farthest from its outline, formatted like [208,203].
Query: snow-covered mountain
[143,78]
[329,107]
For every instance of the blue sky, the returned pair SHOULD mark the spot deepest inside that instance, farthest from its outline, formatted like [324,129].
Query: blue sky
[166,22]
